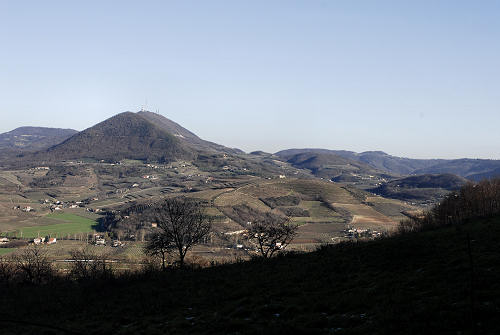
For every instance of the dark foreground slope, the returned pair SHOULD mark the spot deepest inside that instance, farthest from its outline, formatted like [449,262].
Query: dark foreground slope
[418,283]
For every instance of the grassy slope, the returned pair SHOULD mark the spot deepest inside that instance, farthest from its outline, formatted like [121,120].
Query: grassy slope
[70,224]
[411,284]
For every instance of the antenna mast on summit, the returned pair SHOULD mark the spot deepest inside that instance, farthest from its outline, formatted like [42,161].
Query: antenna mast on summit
[145,106]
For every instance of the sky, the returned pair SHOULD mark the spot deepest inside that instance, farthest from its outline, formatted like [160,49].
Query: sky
[416,79]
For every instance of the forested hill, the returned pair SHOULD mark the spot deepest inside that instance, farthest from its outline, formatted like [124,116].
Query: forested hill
[126,135]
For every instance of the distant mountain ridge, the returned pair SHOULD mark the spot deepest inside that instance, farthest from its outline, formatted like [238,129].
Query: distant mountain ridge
[153,137]
[25,139]
[473,169]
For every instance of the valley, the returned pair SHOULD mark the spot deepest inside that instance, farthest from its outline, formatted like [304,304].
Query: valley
[69,190]
[39,202]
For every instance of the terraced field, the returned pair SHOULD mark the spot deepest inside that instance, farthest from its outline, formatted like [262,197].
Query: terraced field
[366,217]
[389,207]
[324,211]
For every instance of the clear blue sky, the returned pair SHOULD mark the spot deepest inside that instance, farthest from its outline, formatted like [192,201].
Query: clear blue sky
[412,78]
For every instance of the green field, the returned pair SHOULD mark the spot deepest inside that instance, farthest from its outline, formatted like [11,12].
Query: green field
[4,251]
[70,224]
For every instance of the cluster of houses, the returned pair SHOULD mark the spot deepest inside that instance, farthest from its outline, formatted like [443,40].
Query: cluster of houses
[99,240]
[44,240]
[237,233]
[58,205]
[26,209]
[53,205]
[116,244]
[352,233]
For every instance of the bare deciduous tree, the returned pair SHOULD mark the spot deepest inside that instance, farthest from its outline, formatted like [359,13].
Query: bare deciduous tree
[33,264]
[87,264]
[7,270]
[182,223]
[158,245]
[271,234]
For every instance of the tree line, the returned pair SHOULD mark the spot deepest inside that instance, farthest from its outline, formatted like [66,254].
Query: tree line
[473,200]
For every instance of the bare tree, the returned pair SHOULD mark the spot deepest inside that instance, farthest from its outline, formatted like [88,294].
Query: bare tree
[158,245]
[87,264]
[271,234]
[7,270]
[182,223]
[33,264]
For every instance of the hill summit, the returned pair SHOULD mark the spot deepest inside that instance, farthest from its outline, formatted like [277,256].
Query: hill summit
[187,137]
[126,135]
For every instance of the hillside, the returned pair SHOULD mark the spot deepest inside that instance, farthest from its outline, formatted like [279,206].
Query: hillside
[26,139]
[185,135]
[375,159]
[126,135]
[417,283]
[420,187]
[330,166]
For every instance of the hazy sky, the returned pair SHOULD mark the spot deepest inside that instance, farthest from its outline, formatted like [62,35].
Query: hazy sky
[412,78]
